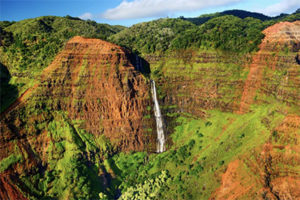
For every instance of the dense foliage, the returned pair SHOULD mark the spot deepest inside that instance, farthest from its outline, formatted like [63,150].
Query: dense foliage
[150,189]
[232,31]
[227,33]
[36,41]
[238,13]
[154,36]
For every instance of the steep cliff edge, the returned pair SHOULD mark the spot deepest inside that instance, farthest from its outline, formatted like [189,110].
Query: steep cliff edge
[279,38]
[272,168]
[203,80]
[96,82]
[88,103]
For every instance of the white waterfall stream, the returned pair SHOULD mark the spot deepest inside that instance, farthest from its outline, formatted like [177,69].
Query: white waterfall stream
[159,121]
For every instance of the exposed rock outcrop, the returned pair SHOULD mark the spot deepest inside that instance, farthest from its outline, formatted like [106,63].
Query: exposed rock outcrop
[284,36]
[92,82]
[95,81]
[270,171]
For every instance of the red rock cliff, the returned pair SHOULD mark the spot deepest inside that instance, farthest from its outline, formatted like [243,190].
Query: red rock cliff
[92,82]
[284,36]
[270,171]
[95,81]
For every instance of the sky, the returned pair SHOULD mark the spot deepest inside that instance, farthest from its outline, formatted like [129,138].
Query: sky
[129,12]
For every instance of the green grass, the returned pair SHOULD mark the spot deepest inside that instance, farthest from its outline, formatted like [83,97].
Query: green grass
[202,148]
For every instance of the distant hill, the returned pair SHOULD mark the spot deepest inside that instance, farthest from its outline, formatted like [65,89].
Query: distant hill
[233,30]
[226,32]
[154,36]
[238,13]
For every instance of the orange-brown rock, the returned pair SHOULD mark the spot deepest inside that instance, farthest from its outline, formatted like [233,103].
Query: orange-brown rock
[96,82]
[8,188]
[279,37]
[270,171]
[93,82]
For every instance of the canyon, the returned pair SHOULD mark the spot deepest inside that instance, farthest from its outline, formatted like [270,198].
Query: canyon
[214,81]
[64,137]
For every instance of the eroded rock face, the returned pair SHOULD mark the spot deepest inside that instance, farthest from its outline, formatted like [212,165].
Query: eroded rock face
[217,81]
[205,81]
[269,171]
[91,82]
[95,81]
[272,72]
[281,36]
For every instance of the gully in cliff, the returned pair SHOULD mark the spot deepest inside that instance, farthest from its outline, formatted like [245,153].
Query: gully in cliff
[159,121]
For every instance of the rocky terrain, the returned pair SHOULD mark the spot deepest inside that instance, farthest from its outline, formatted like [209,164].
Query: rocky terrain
[92,82]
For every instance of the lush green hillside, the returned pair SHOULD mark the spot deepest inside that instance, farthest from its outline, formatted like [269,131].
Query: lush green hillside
[233,31]
[227,33]
[237,13]
[154,36]
[240,14]
[201,149]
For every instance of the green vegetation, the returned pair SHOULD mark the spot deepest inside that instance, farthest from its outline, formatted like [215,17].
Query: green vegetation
[231,31]
[74,161]
[201,149]
[237,13]
[149,37]
[36,41]
[8,161]
[150,189]
[70,175]
[227,33]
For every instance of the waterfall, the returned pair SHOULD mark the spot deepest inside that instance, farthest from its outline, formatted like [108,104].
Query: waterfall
[159,121]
